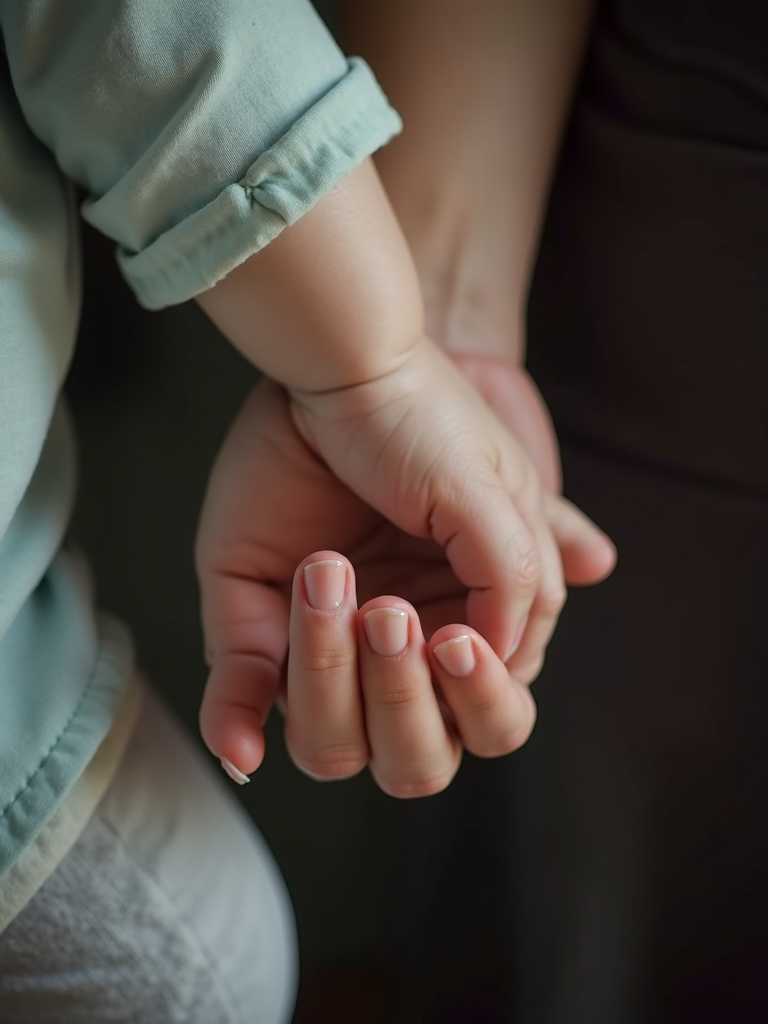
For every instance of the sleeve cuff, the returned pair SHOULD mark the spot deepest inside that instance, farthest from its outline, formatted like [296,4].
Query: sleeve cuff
[333,137]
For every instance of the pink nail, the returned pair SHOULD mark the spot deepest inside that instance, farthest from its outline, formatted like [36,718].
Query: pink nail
[457,656]
[234,773]
[325,583]
[387,630]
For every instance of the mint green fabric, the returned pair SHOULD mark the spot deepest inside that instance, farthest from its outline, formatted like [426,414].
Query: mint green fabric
[198,129]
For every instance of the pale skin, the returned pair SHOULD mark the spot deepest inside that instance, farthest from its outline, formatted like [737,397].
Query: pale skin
[420,641]
[483,88]
[347,706]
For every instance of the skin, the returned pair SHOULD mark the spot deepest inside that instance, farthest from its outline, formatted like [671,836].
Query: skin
[433,497]
[484,89]
[346,706]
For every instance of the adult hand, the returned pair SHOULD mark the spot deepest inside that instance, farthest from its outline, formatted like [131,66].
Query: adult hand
[348,704]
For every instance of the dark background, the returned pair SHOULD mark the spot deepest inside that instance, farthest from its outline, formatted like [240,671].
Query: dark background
[615,871]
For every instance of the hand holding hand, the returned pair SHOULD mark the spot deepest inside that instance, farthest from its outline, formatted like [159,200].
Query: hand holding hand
[272,500]
[422,447]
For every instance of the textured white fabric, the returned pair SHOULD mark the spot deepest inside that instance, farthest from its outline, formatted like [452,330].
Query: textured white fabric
[169,907]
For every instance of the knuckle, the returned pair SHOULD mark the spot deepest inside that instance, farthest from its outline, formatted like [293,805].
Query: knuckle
[509,737]
[527,571]
[395,697]
[339,761]
[507,742]
[552,600]
[417,784]
[481,703]
[328,660]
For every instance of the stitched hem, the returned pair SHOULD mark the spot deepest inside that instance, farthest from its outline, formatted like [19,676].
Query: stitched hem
[346,126]
[58,770]
[102,661]
[45,852]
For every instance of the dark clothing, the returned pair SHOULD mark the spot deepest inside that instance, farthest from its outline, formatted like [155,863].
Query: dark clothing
[616,870]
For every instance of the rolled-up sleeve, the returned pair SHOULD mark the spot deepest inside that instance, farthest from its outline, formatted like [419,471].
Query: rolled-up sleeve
[198,128]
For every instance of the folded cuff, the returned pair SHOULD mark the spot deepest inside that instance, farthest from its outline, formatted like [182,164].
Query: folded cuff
[333,137]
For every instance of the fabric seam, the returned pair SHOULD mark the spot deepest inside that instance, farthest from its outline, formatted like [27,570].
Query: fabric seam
[99,660]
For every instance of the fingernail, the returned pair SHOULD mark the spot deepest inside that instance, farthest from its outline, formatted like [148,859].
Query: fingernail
[234,773]
[325,582]
[457,656]
[517,637]
[387,630]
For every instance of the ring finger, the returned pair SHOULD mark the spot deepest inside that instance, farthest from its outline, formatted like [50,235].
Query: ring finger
[413,752]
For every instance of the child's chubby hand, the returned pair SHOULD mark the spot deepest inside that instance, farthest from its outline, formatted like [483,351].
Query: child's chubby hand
[436,575]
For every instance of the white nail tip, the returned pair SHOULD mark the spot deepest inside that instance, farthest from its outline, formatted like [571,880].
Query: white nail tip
[234,773]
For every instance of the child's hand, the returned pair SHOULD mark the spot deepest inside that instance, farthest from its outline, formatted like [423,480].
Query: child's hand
[422,447]
[270,502]
[346,706]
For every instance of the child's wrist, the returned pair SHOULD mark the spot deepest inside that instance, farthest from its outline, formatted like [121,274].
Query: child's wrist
[334,301]
[374,385]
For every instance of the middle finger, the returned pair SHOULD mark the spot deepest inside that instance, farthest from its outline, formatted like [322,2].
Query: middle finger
[413,751]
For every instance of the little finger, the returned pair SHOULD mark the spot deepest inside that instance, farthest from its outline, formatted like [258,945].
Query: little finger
[493,713]
[413,751]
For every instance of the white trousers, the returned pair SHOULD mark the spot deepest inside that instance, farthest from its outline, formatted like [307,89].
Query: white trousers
[168,908]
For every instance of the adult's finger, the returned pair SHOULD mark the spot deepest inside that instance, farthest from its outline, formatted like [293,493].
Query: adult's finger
[325,726]
[246,629]
[493,713]
[413,752]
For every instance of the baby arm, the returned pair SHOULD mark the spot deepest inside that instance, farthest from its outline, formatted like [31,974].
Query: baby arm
[331,304]
[331,310]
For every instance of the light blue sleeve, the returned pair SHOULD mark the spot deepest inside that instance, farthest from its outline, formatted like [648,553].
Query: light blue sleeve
[198,128]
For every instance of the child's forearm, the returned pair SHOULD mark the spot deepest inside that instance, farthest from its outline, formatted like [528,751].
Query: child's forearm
[333,301]
[483,89]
